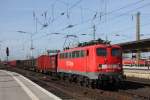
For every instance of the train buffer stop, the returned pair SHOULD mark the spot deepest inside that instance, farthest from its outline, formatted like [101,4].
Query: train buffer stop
[14,86]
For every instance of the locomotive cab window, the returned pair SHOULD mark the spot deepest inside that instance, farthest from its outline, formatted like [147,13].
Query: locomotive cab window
[116,52]
[101,52]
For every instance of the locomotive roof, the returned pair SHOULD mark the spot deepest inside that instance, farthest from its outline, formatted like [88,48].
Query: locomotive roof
[90,46]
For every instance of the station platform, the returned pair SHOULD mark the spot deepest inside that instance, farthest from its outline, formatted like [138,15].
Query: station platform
[14,86]
[137,72]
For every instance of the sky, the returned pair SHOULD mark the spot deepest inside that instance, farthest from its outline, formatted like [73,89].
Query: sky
[114,20]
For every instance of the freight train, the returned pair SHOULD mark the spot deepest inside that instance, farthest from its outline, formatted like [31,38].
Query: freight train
[91,65]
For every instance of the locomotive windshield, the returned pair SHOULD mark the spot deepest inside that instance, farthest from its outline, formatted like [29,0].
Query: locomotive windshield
[116,52]
[101,51]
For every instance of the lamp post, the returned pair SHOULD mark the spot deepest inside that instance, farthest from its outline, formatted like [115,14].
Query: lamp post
[31,39]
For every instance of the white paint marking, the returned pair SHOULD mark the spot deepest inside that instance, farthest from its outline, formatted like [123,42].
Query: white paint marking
[25,88]
[40,88]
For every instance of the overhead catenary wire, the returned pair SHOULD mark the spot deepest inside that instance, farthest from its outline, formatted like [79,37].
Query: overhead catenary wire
[83,22]
[56,18]
[124,7]
[88,20]
[128,28]
[105,14]
[116,10]
[108,13]
[125,29]
[119,31]
[76,5]
[65,12]
[118,16]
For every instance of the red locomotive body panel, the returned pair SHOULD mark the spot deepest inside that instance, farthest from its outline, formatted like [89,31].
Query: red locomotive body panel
[91,60]
[47,63]
[113,59]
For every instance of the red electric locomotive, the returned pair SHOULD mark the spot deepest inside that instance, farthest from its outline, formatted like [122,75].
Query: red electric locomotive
[94,64]
[98,62]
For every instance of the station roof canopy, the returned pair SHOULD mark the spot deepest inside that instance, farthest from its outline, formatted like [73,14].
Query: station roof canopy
[134,46]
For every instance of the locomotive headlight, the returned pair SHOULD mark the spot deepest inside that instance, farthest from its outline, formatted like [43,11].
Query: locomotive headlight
[104,66]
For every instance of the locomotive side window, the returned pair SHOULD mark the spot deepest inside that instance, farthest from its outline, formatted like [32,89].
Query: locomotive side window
[66,55]
[82,54]
[73,54]
[101,52]
[116,52]
[69,54]
[77,54]
[62,55]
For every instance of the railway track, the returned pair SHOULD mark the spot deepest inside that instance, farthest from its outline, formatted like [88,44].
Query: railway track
[138,90]
[67,91]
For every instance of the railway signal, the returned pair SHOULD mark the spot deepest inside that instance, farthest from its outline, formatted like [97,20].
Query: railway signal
[7,51]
